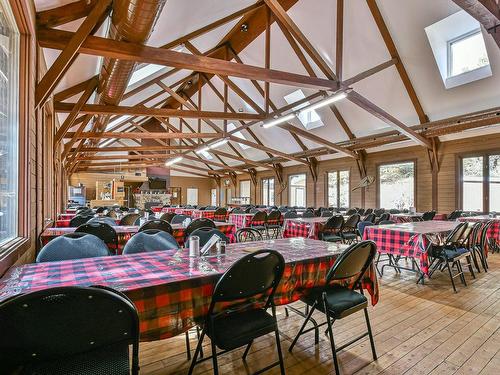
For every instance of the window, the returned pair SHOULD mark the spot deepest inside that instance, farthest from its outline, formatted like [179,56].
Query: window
[245,191]
[480,183]
[213,197]
[268,191]
[192,196]
[310,119]
[338,189]
[297,190]
[396,186]
[9,125]
[466,53]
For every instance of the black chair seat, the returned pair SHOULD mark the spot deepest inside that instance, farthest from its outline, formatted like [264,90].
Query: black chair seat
[258,227]
[331,237]
[97,362]
[340,301]
[349,236]
[235,330]
[455,253]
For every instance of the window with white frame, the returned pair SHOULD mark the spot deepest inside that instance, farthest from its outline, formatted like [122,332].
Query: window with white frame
[268,191]
[245,191]
[466,53]
[310,119]
[213,197]
[9,124]
[297,190]
[192,196]
[396,185]
[338,189]
[238,134]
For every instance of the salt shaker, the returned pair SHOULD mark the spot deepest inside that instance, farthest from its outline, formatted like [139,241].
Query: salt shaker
[221,247]
[194,246]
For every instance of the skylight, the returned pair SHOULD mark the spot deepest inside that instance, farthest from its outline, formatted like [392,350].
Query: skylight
[466,53]
[106,142]
[310,119]
[238,134]
[144,72]
[118,120]
[206,155]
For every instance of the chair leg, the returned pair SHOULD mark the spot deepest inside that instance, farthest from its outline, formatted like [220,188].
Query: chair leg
[370,335]
[280,354]
[196,353]
[245,353]
[469,264]
[451,276]
[332,342]
[188,347]
[301,328]
[214,357]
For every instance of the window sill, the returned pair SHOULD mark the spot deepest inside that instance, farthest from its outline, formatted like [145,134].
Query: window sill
[11,251]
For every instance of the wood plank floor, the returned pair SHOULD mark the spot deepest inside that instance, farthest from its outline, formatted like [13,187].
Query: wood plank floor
[419,329]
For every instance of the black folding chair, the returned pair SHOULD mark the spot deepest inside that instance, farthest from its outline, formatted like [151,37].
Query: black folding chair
[233,320]
[167,216]
[273,223]
[129,219]
[248,235]
[337,301]
[102,230]
[73,246]
[70,331]
[157,224]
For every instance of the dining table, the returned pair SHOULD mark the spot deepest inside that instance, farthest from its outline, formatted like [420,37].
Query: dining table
[309,227]
[172,290]
[410,240]
[125,232]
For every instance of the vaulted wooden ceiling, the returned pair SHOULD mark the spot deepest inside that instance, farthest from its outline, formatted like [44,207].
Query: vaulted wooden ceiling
[236,69]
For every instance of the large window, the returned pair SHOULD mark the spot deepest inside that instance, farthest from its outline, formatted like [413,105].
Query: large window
[338,189]
[268,191]
[245,191]
[297,190]
[9,125]
[480,183]
[396,185]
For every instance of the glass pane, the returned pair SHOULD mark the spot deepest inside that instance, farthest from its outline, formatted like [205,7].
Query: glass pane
[494,166]
[271,192]
[9,39]
[344,189]
[397,185]
[468,54]
[472,186]
[332,189]
[245,189]
[265,192]
[298,190]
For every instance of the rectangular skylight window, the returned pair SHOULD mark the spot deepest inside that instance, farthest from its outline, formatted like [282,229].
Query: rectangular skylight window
[206,155]
[466,53]
[310,119]
[107,142]
[238,134]
[144,72]
[115,122]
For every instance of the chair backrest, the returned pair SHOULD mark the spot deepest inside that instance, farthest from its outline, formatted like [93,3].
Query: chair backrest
[102,230]
[385,216]
[455,215]
[326,213]
[454,236]
[84,210]
[429,215]
[274,217]
[237,211]
[394,211]
[103,219]
[334,223]
[474,237]
[290,215]
[352,222]
[129,219]
[378,211]
[157,224]
[63,322]
[308,214]
[361,211]
[483,237]
[150,240]
[354,261]
[253,211]
[282,209]
[112,214]
[72,246]
[248,234]
[362,225]
[351,211]
[79,220]
[167,216]
[464,237]
[199,223]
[385,222]
[100,210]
[205,234]
[258,218]
[179,218]
[368,211]
[254,275]
[220,211]
[370,218]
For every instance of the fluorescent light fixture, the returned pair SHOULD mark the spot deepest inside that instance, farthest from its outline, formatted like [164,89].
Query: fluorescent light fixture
[219,143]
[202,150]
[279,120]
[173,161]
[325,102]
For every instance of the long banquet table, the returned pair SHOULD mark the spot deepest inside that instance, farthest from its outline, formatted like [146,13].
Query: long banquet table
[125,232]
[408,239]
[170,289]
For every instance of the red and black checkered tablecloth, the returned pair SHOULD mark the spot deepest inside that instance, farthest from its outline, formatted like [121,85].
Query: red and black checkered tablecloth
[66,216]
[408,239]
[493,233]
[304,227]
[126,232]
[170,289]
[244,220]
[66,223]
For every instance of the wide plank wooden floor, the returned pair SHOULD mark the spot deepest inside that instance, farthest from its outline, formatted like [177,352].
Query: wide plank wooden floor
[419,329]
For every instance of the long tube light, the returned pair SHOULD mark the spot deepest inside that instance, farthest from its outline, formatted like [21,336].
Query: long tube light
[323,103]
[173,161]
[278,121]
[219,143]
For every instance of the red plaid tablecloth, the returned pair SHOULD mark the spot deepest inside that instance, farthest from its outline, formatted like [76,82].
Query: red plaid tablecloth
[208,214]
[170,289]
[493,234]
[66,216]
[407,218]
[65,223]
[156,209]
[303,227]
[126,232]
[70,210]
[408,239]
[243,220]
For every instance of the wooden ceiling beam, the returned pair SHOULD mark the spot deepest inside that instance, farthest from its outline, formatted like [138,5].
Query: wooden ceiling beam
[487,12]
[73,90]
[64,60]
[97,46]
[68,145]
[103,109]
[138,135]
[64,14]
[138,148]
